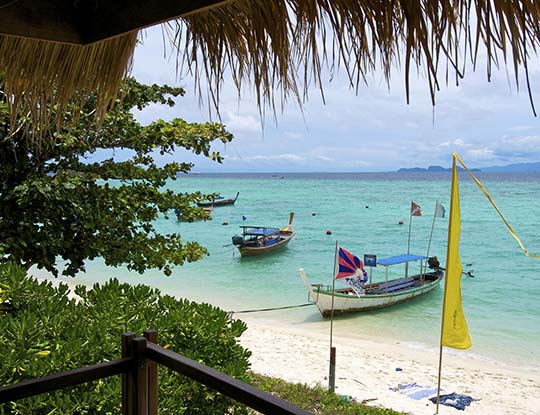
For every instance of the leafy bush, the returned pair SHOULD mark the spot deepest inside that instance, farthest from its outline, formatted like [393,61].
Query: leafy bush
[317,400]
[43,331]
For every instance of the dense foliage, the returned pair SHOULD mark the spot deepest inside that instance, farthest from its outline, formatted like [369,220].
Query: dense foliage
[55,205]
[36,339]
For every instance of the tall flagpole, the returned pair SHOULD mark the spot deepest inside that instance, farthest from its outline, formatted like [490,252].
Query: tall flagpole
[450,223]
[432,226]
[410,227]
[332,366]
[409,241]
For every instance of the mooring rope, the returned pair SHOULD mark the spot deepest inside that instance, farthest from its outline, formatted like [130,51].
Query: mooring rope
[271,309]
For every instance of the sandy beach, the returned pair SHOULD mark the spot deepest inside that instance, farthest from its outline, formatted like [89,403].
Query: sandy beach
[373,370]
[366,371]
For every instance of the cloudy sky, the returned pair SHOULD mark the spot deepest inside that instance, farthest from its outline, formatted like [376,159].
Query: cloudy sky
[375,130]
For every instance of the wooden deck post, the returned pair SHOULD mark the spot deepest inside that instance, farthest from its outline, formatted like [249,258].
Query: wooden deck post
[127,378]
[152,336]
[332,375]
[140,400]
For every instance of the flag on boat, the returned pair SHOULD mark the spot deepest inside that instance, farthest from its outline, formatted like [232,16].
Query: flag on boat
[440,211]
[455,332]
[348,264]
[350,269]
[416,210]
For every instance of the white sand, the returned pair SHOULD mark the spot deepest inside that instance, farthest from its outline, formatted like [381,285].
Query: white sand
[366,370]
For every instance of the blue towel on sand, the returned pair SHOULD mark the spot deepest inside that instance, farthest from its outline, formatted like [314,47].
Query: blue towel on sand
[415,391]
[454,400]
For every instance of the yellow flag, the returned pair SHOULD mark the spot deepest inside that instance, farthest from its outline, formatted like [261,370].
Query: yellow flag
[455,332]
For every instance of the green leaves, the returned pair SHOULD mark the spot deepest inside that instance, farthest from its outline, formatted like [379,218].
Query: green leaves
[47,332]
[54,206]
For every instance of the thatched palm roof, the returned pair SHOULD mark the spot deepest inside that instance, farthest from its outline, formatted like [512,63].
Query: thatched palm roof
[54,50]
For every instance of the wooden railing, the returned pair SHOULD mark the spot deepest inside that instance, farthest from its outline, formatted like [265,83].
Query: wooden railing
[138,367]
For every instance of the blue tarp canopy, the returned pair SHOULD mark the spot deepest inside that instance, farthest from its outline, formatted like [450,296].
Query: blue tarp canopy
[261,231]
[399,259]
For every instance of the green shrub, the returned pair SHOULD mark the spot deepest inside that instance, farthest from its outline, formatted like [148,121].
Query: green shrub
[317,400]
[44,331]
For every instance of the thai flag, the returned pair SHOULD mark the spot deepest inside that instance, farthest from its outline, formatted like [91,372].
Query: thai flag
[349,265]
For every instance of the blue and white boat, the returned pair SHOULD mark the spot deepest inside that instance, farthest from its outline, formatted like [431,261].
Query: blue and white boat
[257,240]
[375,292]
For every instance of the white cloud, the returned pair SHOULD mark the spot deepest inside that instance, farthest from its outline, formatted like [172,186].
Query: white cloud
[486,123]
[243,124]
[294,135]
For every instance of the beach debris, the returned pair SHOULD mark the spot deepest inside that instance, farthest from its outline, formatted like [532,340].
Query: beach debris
[328,232]
[398,369]
[364,401]
[415,391]
[455,400]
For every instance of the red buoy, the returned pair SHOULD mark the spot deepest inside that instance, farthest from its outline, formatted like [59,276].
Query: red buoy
[225,223]
[401,222]
[329,232]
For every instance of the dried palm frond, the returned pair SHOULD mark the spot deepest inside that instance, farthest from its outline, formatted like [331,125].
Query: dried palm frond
[40,78]
[276,44]
[282,47]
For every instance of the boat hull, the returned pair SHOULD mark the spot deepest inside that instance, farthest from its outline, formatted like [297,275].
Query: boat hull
[346,301]
[219,202]
[246,251]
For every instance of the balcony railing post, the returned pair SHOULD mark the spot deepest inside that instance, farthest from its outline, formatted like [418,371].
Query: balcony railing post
[140,401]
[152,336]
[127,378]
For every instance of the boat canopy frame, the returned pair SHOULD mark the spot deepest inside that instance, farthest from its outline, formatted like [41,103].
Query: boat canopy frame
[399,259]
[259,231]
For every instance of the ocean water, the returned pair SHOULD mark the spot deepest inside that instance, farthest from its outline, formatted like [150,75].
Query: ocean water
[362,211]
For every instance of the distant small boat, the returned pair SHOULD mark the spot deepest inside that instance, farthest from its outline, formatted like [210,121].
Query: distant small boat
[219,201]
[362,297]
[257,240]
[182,218]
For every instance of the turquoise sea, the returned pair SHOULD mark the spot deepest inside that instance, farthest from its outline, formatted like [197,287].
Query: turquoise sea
[362,211]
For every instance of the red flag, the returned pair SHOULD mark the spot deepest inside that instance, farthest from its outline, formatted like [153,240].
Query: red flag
[416,210]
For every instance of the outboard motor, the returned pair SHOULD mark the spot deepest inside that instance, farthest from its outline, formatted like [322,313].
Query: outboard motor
[237,240]
[433,263]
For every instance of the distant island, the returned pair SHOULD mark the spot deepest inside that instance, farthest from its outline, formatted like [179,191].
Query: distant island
[516,168]
[430,169]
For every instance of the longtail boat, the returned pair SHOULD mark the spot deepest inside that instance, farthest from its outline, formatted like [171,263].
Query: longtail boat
[365,292]
[257,240]
[219,201]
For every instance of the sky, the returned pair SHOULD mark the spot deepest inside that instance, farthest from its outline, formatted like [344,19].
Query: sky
[486,123]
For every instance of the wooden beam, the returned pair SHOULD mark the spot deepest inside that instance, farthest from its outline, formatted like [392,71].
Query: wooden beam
[115,17]
[88,21]
[62,380]
[233,388]
[47,20]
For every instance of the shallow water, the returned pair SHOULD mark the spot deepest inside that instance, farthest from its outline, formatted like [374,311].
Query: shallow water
[362,211]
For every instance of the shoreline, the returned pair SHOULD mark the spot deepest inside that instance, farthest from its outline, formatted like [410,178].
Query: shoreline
[367,368]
